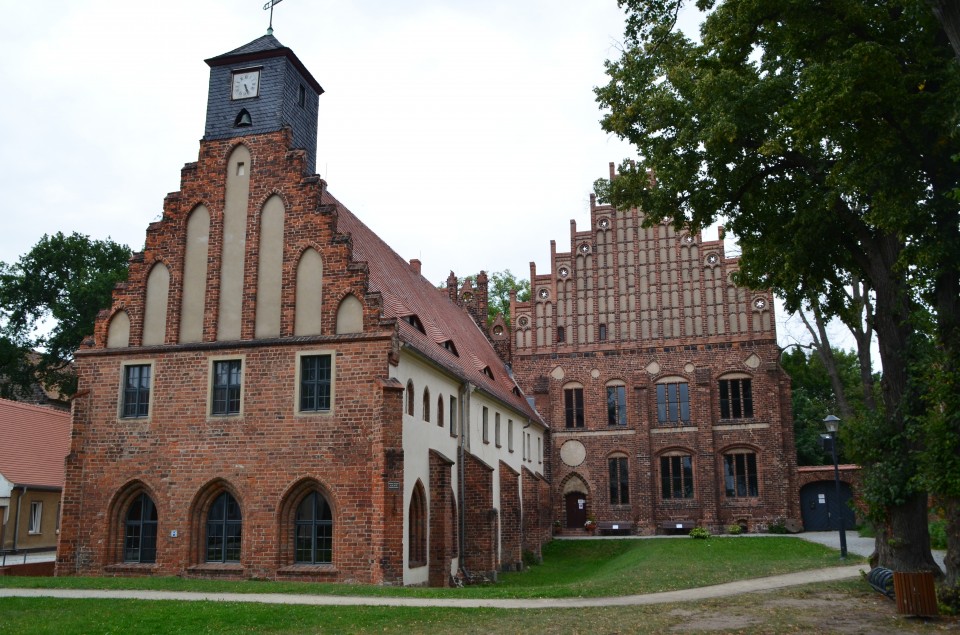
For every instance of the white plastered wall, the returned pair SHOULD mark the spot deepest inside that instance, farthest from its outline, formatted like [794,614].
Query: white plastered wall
[419,437]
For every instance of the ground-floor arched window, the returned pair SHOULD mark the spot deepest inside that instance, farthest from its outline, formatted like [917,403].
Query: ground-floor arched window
[417,533]
[140,531]
[224,529]
[314,530]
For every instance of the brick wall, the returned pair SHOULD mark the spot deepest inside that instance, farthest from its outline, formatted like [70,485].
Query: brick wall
[480,539]
[511,558]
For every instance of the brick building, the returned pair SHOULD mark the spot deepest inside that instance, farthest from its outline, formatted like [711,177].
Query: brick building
[33,443]
[274,393]
[660,380]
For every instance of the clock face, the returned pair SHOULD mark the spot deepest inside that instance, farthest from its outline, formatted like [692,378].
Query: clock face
[246,84]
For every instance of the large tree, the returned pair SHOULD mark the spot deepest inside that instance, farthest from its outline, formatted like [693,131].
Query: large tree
[823,133]
[49,300]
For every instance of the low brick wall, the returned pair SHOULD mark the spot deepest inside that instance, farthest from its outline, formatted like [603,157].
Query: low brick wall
[36,569]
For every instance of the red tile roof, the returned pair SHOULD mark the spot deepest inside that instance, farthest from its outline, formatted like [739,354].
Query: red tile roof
[34,441]
[405,292]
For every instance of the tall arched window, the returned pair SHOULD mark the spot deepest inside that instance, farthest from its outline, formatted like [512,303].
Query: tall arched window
[224,529]
[426,404]
[140,531]
[410,398]
[314,530]
[417,532]
[440,411]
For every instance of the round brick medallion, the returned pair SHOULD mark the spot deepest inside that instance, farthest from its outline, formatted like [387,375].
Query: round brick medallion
[572,453]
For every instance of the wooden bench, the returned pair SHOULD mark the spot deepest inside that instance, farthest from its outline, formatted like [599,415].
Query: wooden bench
[615,527]
[676,526]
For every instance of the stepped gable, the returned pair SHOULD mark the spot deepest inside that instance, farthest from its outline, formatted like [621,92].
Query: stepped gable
[36,440]
[406,292]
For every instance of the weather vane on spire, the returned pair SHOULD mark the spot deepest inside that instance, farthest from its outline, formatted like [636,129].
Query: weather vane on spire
[269,6]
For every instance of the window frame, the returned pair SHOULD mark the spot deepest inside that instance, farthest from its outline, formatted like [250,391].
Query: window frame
[313,524]
[331,384]
[496,429]
[125,369]
[35,520]
[673,402]
[142,530]
[573,409]
[215,362]
[740,472]
[453,416]
[417,528]
[735,397]
[671,475]
[485,424]
[225,523]
[510,435]
[617,411]
[618,479]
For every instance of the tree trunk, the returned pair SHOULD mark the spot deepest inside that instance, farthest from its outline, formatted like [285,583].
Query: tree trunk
[825,352]
[948,14]
[903,540]
[903,544]
[951,508]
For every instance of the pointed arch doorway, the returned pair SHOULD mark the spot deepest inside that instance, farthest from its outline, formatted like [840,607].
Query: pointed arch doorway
[575,503]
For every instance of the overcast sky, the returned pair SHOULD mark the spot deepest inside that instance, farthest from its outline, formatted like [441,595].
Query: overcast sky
[464,133]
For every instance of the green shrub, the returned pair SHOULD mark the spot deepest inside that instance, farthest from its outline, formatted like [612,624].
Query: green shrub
[949,600]
[777,527]
[699,533]
[734,530]
[938,534]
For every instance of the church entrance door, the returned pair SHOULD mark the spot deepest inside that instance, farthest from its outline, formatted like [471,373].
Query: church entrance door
[576,505]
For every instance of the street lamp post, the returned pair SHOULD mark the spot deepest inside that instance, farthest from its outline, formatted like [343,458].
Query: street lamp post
[833,424]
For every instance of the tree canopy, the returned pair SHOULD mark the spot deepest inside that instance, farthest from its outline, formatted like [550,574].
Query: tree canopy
[49,300]
[499,285]
[823,134]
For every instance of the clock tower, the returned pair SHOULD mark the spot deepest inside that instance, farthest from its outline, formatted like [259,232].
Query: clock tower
[263,87]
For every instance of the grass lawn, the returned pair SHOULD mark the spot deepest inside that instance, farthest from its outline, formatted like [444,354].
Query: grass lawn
[836,607]
[571,568]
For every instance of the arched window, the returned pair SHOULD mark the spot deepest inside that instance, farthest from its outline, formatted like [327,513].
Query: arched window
[673,401]
[410,398]
[140,531]
[426,404]
[417,531]
[616,403]
[740,473]
[440,411]
[224,528]
[573,405]
[314,530]
[676,475]
[736,396]
[619,480]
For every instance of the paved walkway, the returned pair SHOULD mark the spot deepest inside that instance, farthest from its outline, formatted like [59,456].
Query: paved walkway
[684,595]
[702,593]
[855,545]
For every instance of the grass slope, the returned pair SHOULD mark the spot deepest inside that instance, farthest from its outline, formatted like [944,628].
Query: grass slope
[571,568]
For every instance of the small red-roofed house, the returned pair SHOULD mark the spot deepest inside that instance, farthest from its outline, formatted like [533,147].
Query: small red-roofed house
[34,440]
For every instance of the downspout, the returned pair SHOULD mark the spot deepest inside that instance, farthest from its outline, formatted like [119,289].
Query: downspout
[464,393]
[16,522]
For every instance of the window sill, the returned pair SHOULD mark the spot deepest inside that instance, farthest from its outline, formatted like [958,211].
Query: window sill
[131,567]
[308,571]
[34,533]
[742,501]
[217,568]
